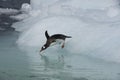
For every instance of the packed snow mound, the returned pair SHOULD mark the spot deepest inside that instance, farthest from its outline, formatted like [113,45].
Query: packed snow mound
[90,39]
[92,25]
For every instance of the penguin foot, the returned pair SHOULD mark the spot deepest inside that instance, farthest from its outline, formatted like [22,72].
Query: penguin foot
[62,46]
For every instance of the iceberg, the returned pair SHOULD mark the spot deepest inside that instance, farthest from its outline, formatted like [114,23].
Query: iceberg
[92,25]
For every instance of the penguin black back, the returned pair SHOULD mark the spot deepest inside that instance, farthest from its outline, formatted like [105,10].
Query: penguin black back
[60,36]
[56,36]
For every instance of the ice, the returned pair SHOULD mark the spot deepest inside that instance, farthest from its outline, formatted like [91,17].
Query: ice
[113,11]
[36,5]
[93,51]
[8,11]
[25,12]
[92,25]
[91,54]
[92,4]
[26,7]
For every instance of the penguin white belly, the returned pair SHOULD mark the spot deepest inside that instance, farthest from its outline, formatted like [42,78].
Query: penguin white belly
[58,41]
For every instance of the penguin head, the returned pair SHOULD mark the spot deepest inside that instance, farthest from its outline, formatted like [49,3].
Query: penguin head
[43,47]
[47,44]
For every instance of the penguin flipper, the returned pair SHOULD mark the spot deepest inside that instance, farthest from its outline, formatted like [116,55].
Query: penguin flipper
[46,34]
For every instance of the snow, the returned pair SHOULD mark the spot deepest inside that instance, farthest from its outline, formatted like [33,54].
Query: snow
[93,25]
[8,11]
[113,11]
[92,4]
[26,7]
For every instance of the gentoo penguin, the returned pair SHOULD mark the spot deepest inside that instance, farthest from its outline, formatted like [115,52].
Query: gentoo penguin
[56,38]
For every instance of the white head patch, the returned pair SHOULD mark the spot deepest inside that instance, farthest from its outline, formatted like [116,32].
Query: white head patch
[43,46]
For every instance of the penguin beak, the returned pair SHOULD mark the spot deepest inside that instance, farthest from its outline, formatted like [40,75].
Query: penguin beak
[41,50]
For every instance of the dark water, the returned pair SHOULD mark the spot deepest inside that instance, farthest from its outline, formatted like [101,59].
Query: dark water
[5,20]
[15,4]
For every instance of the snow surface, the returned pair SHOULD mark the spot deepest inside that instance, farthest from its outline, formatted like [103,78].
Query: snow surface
[94,26]
[8,11]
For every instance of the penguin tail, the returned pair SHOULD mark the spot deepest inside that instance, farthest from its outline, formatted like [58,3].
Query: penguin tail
[46,34]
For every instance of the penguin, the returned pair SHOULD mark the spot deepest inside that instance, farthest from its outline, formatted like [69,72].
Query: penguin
[56,38]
